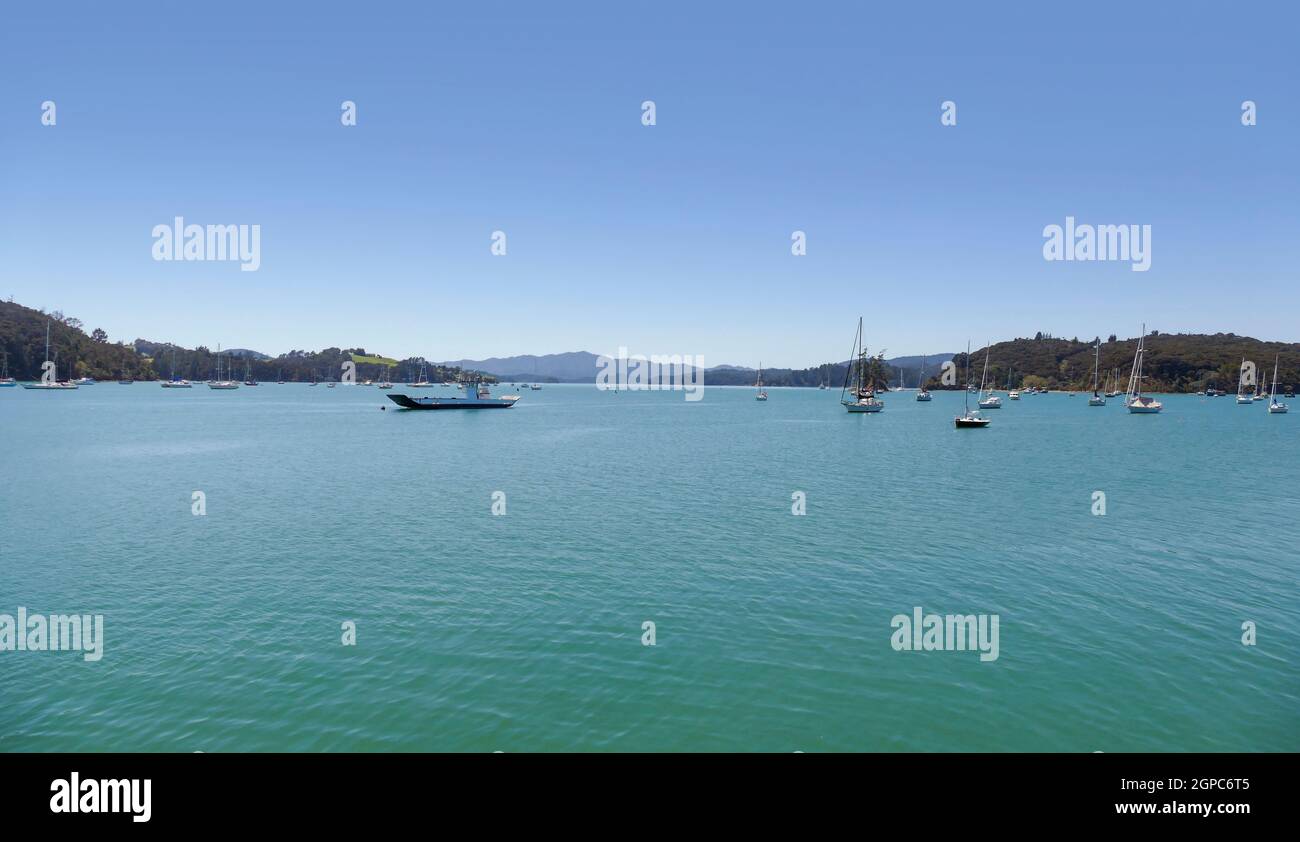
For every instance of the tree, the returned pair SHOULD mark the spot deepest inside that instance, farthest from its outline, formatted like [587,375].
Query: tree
[99,335]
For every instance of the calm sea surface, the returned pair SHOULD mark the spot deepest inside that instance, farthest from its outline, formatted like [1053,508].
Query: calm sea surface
[523,632]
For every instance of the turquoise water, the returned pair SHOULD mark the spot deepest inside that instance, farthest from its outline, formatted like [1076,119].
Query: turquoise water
[522,632]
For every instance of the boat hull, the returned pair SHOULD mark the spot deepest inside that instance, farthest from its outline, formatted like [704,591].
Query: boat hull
[408,402]
[963,423]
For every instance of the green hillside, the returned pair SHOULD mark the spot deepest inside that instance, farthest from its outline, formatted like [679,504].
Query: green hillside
[78,354]
[1179,362]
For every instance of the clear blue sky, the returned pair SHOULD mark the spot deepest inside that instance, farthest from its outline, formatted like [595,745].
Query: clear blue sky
[669,239]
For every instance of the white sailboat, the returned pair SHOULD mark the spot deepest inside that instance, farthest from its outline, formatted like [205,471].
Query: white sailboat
[1137,403]
[861,397]
[6,380]
[1275,407]
[991,399]
[923,394]
[49,381]
[762,393]
[218,383]
[175,382]
[1114,389]
[1242,397]
[971,419]
[1097,399]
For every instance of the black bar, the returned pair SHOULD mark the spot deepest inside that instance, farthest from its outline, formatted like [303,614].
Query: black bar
[213,791]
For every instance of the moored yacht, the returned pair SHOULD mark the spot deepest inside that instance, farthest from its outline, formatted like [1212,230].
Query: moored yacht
[922,393]
[1138,403]
[218,383]
[859,395]
[1275,407]
[968,418]
[49,381]
[1097,399]
[1243,397]
[991,399]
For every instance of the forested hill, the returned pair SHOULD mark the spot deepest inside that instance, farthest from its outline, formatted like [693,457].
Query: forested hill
[1175,362]
[78,354]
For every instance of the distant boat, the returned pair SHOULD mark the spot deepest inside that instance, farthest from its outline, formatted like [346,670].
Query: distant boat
[762,393]
[991,400]
[385,383]
[1115,392]
[922,394]
[125,381]
[248,375]
[1275,407]
[478,398]
[218,383]
[424,382]
[1242,397]
[1097,399]
[823,383]
[175,382]
[5,379]
[85,381]
[53,384]
[858,395]
[1137,403]
[970,419]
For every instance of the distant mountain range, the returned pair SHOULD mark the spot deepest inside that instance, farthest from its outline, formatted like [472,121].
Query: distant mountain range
[582,367]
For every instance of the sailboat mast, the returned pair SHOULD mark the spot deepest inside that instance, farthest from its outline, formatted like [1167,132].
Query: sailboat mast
[984,374]
[1096,369]
[966,389]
